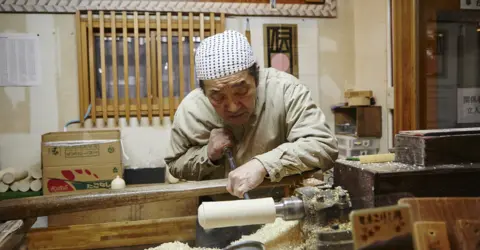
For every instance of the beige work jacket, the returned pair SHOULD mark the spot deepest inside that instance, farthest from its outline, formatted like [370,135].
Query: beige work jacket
[287,133]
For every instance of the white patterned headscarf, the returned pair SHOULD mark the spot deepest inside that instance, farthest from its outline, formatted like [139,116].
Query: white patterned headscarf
[222,55]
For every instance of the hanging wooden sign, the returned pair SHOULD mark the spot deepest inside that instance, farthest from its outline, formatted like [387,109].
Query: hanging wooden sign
[281,47]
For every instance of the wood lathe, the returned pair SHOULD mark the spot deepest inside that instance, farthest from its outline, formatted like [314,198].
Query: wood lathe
[316,207]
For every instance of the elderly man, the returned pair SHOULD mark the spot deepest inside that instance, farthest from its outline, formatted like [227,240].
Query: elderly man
[266,116]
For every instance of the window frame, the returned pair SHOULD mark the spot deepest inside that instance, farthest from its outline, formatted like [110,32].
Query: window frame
[91,24]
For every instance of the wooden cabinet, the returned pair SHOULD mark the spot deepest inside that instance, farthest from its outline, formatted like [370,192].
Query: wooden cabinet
[360,121]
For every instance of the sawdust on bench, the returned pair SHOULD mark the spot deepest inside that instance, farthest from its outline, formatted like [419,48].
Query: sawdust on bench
[280,235]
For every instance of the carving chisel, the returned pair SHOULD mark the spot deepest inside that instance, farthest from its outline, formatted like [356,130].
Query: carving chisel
[228,153]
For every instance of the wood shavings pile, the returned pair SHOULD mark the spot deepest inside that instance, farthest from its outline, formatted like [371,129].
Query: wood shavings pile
[178,246]
[280,235]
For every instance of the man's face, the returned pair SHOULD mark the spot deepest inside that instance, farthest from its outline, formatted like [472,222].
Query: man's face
[233,97]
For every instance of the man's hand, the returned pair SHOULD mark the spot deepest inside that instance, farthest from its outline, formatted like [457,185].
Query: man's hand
[219,139]
[245,178]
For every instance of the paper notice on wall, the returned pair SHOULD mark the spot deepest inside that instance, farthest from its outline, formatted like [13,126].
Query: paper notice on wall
[468,105]
[470,4]
[19,60]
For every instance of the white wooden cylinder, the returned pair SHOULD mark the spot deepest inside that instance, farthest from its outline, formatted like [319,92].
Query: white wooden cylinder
[236,213]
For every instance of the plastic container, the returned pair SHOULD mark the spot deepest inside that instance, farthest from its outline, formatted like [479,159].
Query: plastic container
[345,152]
[352,142]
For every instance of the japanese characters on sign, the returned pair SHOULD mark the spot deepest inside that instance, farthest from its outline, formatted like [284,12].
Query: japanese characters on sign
[470,4]
[468,105]
[380,225]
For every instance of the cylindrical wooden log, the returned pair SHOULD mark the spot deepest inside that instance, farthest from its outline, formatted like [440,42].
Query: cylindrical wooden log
[24,185]
[13,175]
[36,185]
[3,187]
[14,186]
[57,204]
[35,172]
[4,171]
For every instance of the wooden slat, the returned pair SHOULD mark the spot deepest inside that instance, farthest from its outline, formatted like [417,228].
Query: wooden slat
[170,65]
[153,59]
[180,57]
[222,22]
[114,67]
[80,68]
[160,68]
[91,57]
[149,76]
[85,82]
[191,49]
[137,62]
[212,23]
[113,234]
[247,31]
[58,204]
[125,67]
[202,26]
[103,67]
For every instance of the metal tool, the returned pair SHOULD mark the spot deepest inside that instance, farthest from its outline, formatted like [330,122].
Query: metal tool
[319,204]
[228,153]
[246,245]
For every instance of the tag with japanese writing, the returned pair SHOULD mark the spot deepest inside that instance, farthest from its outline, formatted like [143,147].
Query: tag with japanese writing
[387,227]
[430,235]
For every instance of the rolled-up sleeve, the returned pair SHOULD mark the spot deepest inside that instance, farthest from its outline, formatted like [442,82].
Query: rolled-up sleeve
[310,143]
[187,156]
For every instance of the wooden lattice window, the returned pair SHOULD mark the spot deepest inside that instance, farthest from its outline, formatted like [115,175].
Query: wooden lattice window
[160,69]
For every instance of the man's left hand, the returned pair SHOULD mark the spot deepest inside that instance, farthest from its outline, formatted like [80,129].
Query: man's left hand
[245,178]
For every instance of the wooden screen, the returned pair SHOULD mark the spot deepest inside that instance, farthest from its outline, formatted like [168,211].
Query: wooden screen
[138,64]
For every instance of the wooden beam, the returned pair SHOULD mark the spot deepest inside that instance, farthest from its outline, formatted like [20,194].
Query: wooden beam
[405,64]
[113,234]
[58,204]
[267,1]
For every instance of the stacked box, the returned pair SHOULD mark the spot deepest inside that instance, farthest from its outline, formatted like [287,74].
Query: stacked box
[351,146]
[80,160]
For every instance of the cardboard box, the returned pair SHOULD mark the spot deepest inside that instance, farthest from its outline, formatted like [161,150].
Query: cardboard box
[80,160]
